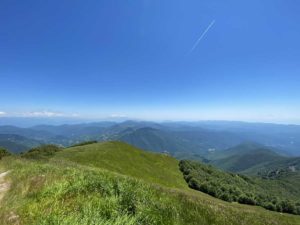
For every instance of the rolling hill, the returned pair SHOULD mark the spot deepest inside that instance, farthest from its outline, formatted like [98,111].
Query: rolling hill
[39,135]
[151,139]
[115,183]
[180,139]
[125,159]
[177,141]
[17,143]
[244,157]
[277,169]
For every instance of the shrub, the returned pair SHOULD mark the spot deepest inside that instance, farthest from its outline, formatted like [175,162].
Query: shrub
[288,207]
[193,183]
[41,152]
[3,153]
[246,200]
[270,206]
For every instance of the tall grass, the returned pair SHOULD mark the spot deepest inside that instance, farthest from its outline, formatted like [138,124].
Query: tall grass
[125,159]
[60,192]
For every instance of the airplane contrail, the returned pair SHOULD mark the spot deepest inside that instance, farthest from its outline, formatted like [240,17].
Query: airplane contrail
[202,36]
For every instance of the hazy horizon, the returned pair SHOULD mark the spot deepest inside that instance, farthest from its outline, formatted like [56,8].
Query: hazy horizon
[33,121]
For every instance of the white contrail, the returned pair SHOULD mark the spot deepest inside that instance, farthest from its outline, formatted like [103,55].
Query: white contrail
[202,36]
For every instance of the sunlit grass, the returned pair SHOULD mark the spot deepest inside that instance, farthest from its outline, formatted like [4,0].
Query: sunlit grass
[64,192]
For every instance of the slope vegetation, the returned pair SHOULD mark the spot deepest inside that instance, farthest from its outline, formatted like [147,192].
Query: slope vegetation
[270,194]
[114,183]
[125,159]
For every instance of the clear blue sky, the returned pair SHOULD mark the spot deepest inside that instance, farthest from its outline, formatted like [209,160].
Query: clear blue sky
[141,59]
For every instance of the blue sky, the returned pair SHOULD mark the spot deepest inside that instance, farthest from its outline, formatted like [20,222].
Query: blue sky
[108,59]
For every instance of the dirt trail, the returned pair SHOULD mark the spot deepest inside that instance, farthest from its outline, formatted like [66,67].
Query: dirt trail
[4,185]
[12,218]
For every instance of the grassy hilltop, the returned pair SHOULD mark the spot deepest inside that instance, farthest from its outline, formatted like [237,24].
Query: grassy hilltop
[125,159]
[114,183]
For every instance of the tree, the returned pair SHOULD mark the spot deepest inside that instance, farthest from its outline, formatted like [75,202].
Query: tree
[246,200]
[270,206]
[194,184]
[226,197]
[288,207]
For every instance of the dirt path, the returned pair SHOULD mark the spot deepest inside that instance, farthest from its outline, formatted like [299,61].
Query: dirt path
[12,218]
[4,185]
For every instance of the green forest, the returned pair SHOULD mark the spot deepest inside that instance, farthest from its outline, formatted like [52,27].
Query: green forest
[238,188]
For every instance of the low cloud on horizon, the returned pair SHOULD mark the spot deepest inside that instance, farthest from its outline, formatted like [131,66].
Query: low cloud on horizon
[282,118]
[38,114]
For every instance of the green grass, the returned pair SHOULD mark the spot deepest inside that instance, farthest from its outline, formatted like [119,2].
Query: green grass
[43,152]
[64,191]
[125,159]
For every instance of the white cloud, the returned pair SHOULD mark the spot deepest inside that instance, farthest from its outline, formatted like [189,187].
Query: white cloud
[2,113]
[75,115]
[43,114]
[117,115]
[47,113]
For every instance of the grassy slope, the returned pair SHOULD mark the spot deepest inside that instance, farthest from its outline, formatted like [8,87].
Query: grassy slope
[62,192]
[125,159]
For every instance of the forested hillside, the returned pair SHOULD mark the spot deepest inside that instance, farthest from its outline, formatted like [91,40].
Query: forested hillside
[271,194]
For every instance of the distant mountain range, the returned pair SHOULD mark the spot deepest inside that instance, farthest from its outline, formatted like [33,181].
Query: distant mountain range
[184,140]
[17,143]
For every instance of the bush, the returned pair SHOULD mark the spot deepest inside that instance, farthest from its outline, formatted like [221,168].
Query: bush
[246,200]
[288,207]
[270,206]
[193,183]
[204,188]
[226,197]
[3,153]
[41,152]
